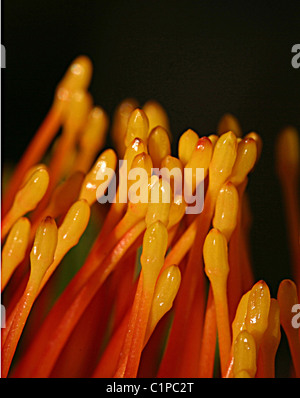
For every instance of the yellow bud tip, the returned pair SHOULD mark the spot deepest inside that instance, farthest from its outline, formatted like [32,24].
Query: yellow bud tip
[245,160]
[287,149]
[42,253]
[215,256]
[78,110]
[229,123]
[160,203]
[156,115]
[103,167]
[32,191]
[259,143]
[94,132]
[72,228]
[165,292]
[258,310]
[14,249]
[136,147]
[226,210]
[186,145]
[120,122]
[223,159]
[78,75]
[244,354]
[158,145]
[138,126]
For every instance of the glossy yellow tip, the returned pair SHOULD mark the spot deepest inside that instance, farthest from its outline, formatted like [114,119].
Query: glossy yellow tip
[120,122]
[287,297]
[229,123]
[93,136]
[239,322]
[215,254]
[213,139]
[155,243]
[245,160]
[156,115]
[222,161]
[186,145]
[14,250]
[244,353]
[226,210]
[138,186]
[72,227]
[137,127]
[136,147]
[287,151]
[158,145]
[258,311]
[78,75]
[159,204]
[104,166]
[27,198]
[42,253]
[165,292]
[78,110]
[259,143]
[201,156]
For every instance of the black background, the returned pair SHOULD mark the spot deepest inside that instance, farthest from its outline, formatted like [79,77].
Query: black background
[199,59]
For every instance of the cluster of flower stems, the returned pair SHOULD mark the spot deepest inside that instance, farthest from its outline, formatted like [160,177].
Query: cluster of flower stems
[161,293]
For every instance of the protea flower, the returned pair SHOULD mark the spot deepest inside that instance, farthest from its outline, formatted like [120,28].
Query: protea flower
[160,290]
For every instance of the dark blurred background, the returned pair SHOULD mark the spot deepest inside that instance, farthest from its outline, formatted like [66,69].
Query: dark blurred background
[199,59]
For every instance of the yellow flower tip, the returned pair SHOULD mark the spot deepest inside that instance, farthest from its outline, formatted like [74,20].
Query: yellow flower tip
[156,115]
[226,210]
[32,191]
[42,253]
[229,123]
[78,110]
[172,167]
[239,321]
[93,136]
[201,155]
[287,154]
[160,203]
[244,354]
[165,292]
[287,297]
[137,127]
[154,249]
[72,227]
[258,310]
[136,147]
[158,145]
[79,74]
[259,143]
[215,255]
[77,77]
[14,250]
[245,160]
[103,167]
[32,170]
[137,206]
[120,122]
[213,139]
[186,145]
[223,159]
[177,210]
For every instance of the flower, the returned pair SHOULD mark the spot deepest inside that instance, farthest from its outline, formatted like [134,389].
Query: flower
[161,289]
